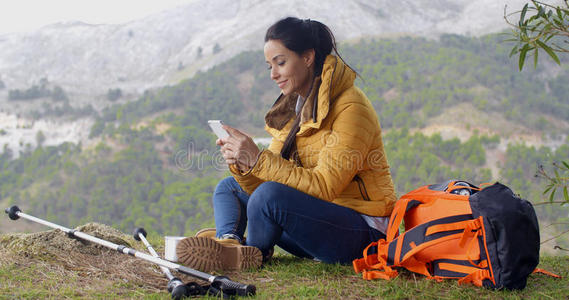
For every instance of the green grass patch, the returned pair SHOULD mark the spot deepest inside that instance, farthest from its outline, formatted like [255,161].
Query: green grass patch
[284,277]
[287,277]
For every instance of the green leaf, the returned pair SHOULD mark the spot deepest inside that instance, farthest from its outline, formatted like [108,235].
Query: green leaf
[552,195]
[541,11]
[565,193]
[535,58]
[549,51]
[523,15]
[548,189]
[547,27]
[565,164]
[532,18]
[523,53]
[514,51]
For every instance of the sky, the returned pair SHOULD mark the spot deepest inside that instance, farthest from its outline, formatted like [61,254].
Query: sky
[28,15]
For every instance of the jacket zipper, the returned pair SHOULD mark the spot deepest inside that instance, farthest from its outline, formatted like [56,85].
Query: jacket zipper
[362,187]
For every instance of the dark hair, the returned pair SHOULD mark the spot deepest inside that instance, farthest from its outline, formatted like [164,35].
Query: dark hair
[300,35]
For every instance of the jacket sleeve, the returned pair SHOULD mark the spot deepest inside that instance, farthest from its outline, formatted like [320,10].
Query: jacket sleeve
[338,160]
[248,181]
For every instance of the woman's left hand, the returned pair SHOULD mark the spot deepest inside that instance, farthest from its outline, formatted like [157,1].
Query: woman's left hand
[239,149]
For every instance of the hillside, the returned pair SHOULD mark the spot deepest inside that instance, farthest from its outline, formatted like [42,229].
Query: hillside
[86,62]
[153,162]
[457,82]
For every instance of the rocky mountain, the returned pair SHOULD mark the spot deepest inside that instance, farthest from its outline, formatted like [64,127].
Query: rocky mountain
[87,59]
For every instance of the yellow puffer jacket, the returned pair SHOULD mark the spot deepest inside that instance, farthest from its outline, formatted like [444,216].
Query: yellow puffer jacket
[339,146]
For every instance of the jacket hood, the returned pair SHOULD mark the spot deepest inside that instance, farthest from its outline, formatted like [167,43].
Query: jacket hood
[335,79]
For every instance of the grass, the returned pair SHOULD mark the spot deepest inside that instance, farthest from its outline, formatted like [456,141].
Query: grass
[105,274]
[284,278]
[287,277]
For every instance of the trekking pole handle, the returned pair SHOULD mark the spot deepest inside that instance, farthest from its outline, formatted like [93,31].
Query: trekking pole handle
[137,231]
[13,212]
[140,235]
[227,286]
[178,289]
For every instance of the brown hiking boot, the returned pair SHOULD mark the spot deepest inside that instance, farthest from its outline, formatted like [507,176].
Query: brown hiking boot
[207,254]
[206,232]
[211,232]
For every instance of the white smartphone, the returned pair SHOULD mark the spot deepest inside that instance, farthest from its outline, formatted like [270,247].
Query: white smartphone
[217,129]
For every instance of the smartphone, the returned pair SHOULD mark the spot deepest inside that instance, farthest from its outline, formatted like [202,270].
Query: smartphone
[217,129]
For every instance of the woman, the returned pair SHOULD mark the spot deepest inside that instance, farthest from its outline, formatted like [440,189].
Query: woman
[322,189]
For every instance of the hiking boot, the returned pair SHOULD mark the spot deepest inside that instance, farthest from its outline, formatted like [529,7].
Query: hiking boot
[208,254]
[211,232]
[206,232]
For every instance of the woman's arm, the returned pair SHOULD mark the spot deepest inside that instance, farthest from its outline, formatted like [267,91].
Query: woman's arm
[353,130]
[250,182]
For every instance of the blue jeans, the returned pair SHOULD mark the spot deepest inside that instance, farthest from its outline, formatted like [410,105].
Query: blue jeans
[300,224]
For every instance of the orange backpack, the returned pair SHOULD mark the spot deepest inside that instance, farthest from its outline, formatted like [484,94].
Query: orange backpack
[487,237]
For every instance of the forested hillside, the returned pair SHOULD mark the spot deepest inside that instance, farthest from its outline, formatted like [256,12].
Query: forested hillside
[155,162]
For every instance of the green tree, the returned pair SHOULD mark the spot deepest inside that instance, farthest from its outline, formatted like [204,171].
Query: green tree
[216,48]
[58,94]
[97,129]
[114,94]
[40,138]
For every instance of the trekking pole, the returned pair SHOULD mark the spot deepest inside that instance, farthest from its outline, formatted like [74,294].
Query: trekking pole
[176,287]
[220,284]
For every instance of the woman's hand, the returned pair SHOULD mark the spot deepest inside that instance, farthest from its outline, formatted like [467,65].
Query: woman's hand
[238,149]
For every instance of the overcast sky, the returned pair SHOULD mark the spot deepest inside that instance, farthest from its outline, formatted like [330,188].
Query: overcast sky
[26,15]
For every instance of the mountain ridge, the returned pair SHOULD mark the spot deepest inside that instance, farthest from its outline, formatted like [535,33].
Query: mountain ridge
[87,59]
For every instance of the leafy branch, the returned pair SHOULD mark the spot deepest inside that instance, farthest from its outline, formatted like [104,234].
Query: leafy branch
[538,31]
[558,235]
[553,238]
[559,180]
[546,28]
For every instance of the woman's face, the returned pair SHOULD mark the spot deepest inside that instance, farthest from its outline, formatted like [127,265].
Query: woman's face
[291,72]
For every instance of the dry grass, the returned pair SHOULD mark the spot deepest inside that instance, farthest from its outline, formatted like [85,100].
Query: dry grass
[51,255]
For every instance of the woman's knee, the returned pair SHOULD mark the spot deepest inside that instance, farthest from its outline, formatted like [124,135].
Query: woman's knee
[265,195]
[225,185]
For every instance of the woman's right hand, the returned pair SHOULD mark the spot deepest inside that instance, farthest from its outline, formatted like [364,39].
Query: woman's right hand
[229,159]
[238,149]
